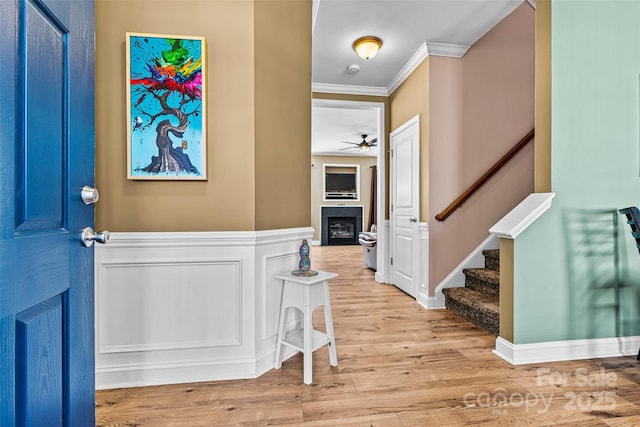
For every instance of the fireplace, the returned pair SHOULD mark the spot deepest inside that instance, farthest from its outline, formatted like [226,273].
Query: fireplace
[342,231]
[340,225]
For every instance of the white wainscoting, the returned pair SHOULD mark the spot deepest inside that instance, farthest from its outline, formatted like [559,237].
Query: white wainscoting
[384,233]
[187,307]
[423,283]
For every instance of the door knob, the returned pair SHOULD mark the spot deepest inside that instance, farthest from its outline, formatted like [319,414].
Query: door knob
[89,195]
[89,236]
[413,219]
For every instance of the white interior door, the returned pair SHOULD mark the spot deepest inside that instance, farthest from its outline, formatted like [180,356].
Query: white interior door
[405,206]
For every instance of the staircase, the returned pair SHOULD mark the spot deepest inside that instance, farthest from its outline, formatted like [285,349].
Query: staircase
[478,300]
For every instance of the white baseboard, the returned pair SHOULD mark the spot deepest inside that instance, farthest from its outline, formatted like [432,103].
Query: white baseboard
[266,362]
[423,299]
[123,376]
[178,373]
[430,303]
[556,351]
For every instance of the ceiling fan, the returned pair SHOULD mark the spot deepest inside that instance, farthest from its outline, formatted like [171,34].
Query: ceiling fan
[362,146]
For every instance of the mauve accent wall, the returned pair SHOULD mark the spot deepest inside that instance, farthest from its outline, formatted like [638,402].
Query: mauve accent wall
[480,106]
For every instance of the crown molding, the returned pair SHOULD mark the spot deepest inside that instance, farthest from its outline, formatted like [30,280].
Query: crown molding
[446,49]
[426,49]
[349,89]
[408,68]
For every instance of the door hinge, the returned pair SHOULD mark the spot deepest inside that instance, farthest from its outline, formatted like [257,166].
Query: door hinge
[391,260]
[391,207]
[391,153]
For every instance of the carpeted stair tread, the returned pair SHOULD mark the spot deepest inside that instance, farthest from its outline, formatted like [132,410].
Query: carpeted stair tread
[476,307]
[483,280]
[492,259]
[479,300]
[474,299]
[489,276]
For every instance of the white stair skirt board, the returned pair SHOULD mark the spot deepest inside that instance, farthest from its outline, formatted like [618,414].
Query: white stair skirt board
[556,351]
[456,278]
[188,307]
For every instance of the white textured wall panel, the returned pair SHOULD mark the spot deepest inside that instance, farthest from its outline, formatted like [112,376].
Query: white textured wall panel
[169,305]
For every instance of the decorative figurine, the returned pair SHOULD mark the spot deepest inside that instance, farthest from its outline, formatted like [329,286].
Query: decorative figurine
[304,266]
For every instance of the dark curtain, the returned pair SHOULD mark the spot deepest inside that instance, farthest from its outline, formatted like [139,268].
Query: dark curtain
[373,204]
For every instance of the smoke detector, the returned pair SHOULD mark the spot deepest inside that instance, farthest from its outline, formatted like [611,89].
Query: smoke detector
[353,68]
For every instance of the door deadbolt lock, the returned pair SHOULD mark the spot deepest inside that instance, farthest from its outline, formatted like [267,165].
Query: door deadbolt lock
[89,195]
[89,236]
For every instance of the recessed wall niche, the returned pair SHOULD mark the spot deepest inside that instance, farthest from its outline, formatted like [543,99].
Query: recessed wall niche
[341,182]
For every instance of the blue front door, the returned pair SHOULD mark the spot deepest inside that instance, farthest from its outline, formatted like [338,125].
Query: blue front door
[46,274]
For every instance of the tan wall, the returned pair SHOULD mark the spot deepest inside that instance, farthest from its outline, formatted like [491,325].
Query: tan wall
[506,289]
[409,99]
[317,186]
[543,97]
[481,106]
[236,156]
[283,113]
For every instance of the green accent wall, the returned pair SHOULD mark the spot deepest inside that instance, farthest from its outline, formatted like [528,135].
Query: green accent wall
[595,164]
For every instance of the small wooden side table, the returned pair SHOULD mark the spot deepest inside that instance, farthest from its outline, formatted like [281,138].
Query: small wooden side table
[305,294]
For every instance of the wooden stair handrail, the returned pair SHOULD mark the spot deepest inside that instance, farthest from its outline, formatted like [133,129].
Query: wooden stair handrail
[484,178]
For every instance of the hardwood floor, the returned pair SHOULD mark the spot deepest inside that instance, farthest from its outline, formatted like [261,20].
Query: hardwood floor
[398,365]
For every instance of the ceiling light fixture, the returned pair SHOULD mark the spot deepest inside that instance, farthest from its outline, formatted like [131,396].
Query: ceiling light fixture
[367,47]
[364,147]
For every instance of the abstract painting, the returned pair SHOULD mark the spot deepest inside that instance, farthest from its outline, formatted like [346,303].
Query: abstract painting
[166,105]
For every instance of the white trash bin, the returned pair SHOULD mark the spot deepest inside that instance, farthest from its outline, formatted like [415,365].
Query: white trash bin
[369,241]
